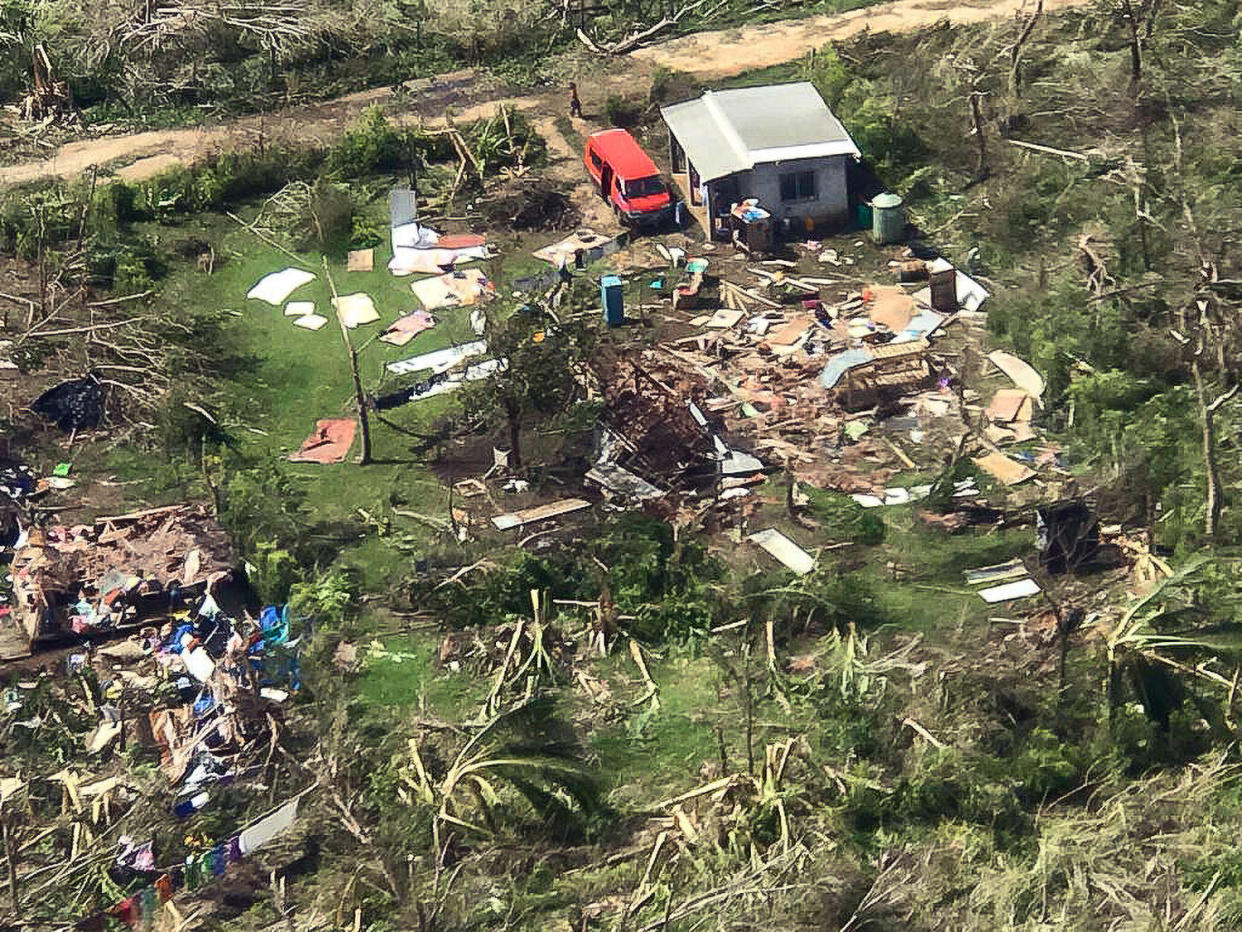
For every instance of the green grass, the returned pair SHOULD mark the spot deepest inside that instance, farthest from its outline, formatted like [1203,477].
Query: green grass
[291,377]
[409,677]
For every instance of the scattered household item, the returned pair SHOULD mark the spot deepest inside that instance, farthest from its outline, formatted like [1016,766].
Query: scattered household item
[311,322]
[612,299]
[329,443]
[406,328]
[942,278]
[577,250]
[785,550]
[750,227]
[460,288]
[276,287]
[440,360]
[354,310]
[888,220]
[360,260]
[409,261]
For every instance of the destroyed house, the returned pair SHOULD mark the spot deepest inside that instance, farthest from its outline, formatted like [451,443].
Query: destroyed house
[779,144]
[115,573]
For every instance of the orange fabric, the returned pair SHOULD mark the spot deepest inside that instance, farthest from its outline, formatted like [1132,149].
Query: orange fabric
[329,443]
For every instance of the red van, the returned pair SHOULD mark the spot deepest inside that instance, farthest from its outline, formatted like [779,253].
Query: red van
[627,178]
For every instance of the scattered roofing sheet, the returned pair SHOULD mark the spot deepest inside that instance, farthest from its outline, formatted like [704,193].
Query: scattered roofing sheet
[311,322]
[784,550]
[1010,591]
[360,260]
[299,308]
[1009,405]
[329,443]
[1019,372]
[514,519]
[456,289]
[892,307]
[729,131]
[995,573]
[1003,469]
[353,310]
[406,328]
[439,360]
[276,288]
[621,482]
[792,332]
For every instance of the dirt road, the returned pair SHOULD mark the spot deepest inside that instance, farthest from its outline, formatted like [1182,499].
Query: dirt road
[708,55]
[729,52]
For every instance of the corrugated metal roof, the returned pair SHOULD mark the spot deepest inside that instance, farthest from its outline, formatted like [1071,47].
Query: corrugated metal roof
[730,131]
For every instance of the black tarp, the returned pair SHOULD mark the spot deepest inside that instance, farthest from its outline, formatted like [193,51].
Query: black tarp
[72,405]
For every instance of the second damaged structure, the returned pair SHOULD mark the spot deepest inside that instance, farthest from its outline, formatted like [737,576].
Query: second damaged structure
[119,571]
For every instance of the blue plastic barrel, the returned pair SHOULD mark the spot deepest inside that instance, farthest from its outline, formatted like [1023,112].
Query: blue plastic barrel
[613,300]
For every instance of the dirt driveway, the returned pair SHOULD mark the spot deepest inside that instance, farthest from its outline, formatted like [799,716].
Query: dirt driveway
[709,55]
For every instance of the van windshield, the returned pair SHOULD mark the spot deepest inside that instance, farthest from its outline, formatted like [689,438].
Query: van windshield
[643,187]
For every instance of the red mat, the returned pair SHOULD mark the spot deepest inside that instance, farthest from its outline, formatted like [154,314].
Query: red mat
[329,443]
[460,241]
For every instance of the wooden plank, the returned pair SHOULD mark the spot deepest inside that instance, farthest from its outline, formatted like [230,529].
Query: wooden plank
[514,519]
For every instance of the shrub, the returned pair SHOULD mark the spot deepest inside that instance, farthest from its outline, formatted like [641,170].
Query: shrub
[621,112]
[370,145]
[330,220]
[844,518]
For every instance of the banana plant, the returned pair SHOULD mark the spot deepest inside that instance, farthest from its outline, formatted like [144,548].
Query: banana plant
[511,754]
[1143,634]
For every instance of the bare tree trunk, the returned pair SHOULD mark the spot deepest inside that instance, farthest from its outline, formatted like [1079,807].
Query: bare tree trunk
[1208,414]
[360,398]
[1015,52]
[981,144]
[10,857]
[1136,53]
[515,440]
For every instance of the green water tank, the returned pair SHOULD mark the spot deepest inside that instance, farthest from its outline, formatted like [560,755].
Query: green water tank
[888,221]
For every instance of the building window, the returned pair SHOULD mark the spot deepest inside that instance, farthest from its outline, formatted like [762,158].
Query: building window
[798,186]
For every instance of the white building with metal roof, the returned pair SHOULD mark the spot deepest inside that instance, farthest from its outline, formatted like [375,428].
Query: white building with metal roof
[779,143]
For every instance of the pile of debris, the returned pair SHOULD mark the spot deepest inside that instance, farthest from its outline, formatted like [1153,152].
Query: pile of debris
[111,576]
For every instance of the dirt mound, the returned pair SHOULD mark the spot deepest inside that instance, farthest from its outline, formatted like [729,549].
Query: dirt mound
[532,209]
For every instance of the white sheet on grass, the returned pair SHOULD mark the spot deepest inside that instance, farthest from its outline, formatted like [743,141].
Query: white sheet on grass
[355,309]
[439,360]
[276,288]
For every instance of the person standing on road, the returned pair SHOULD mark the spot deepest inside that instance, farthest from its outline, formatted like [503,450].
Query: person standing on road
[575,105]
